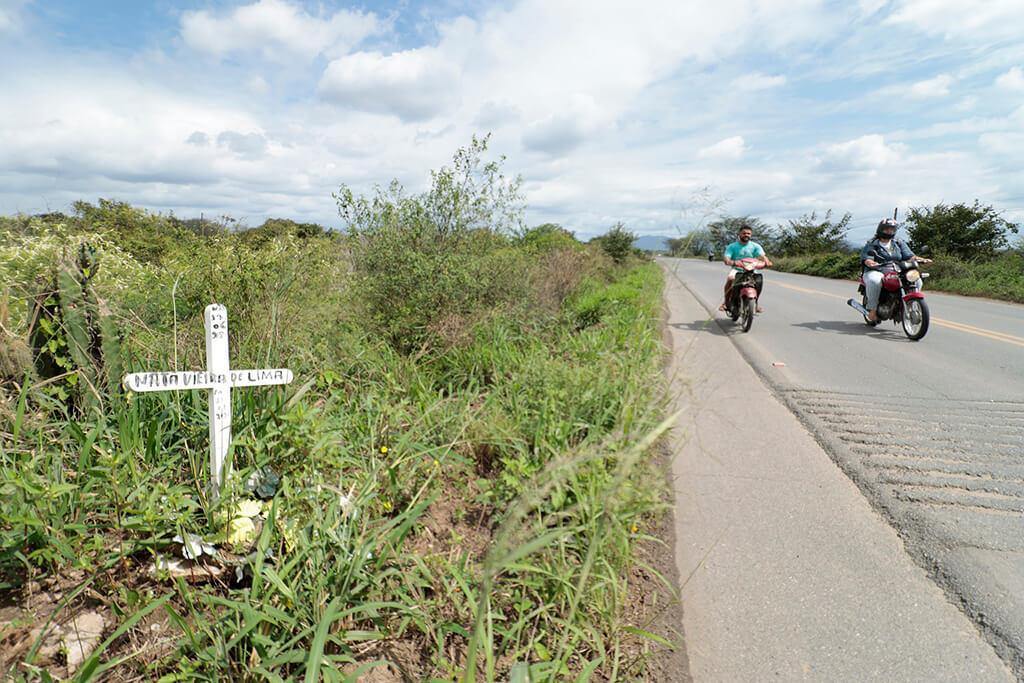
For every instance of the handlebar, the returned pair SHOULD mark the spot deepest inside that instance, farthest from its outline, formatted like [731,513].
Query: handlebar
[755,261]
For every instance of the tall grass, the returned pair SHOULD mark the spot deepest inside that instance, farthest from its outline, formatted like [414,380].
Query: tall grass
[467,511]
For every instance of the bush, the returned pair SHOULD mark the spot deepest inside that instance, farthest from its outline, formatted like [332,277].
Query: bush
[833,265]
[968,232]
[617,243]
[430,261]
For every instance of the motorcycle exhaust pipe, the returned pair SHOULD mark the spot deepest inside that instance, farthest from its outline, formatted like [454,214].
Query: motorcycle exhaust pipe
[858,306]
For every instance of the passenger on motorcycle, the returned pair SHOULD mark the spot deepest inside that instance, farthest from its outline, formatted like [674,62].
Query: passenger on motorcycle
[885,248]
[743,247]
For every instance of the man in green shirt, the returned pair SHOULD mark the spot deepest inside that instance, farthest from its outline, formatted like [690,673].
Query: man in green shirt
[743,247]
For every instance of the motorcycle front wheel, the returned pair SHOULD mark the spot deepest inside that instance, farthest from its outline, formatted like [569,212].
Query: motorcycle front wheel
[749,308]
[915,318]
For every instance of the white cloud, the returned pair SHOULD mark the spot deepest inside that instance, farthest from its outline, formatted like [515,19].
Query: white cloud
[1004,143]
[494,114]
[1011,80]
[413,85]
[277,29]
[866,153]
[933,87]
[610,112]
[954,18]
[757,81]
[728,149]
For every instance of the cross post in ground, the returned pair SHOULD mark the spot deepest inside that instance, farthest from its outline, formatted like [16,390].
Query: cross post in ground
[219,378]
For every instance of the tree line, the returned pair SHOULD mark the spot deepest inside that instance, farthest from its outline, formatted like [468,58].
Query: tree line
[971,233]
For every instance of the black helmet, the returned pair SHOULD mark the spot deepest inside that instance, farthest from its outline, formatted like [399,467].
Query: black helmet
[885,225]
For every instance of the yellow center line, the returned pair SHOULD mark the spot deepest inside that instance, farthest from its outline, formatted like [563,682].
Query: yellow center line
[960,327]
[981,332]
[809,291]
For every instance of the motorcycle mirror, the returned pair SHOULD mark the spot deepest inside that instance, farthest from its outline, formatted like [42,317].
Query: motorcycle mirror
[924,250]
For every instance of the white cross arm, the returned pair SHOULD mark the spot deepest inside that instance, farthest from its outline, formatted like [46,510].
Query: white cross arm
[174,381]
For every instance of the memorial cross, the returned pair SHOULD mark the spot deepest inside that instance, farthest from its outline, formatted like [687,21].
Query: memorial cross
[218,378]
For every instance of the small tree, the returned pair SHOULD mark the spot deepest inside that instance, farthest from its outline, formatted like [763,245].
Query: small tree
[617,242]
[970,232]
[548,237]
[809,235]
[675,245]
[423,259]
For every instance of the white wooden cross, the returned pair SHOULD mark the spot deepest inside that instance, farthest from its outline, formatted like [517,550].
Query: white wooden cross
[218,378]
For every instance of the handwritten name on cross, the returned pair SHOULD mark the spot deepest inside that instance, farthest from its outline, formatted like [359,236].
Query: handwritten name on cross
[218,378]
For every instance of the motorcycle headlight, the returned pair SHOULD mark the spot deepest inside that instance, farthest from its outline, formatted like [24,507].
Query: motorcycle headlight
[913,275]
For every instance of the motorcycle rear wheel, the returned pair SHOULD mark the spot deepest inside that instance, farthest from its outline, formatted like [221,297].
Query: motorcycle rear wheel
[734,308]
[749,308]
[915,318]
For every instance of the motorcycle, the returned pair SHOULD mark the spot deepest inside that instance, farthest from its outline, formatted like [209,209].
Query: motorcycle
[901,299]
[743,295]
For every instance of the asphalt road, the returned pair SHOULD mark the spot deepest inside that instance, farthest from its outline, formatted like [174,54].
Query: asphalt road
[931,432]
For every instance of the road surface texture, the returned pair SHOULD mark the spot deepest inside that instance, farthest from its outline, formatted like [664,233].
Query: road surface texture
[849,503]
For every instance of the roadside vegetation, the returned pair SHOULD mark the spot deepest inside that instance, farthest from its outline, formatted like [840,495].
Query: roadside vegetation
[974,248]
[455,487]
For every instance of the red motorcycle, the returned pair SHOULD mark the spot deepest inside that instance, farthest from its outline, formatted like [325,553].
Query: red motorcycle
[745,287]
[901,299]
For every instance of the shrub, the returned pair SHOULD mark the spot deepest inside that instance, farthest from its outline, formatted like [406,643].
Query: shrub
[424,261]
[617,243]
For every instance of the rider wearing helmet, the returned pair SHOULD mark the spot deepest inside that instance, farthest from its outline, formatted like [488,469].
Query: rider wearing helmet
[885,248]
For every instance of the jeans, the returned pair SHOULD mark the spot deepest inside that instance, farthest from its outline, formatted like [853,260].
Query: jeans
[872,288]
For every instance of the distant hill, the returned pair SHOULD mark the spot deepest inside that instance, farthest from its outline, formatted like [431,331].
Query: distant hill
[651,242]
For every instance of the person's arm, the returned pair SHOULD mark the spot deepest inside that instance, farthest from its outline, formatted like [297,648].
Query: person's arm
[725,259]
[764,257]
[866,253]
[912,256]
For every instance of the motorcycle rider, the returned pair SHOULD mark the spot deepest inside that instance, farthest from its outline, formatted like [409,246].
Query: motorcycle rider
[743,247]
[885,248]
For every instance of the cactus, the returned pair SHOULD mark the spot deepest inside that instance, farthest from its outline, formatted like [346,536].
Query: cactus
[73,331]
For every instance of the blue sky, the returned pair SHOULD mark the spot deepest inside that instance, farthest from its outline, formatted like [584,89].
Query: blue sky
[657,113]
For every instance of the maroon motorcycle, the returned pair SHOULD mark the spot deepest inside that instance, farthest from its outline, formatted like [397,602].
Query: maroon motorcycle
[901,299]
[743,295]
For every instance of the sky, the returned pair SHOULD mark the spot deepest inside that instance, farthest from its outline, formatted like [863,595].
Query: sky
[660,114]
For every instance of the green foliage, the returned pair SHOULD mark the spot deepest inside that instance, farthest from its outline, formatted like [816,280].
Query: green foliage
[811,235]
[547,238]
[526,427]
[1000,277]
[146,236]
[617,243]
[722,232]
[832,264]
[74,337]
[280,228]
[677,245]
[283,296]
[968,232]
[435,260]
